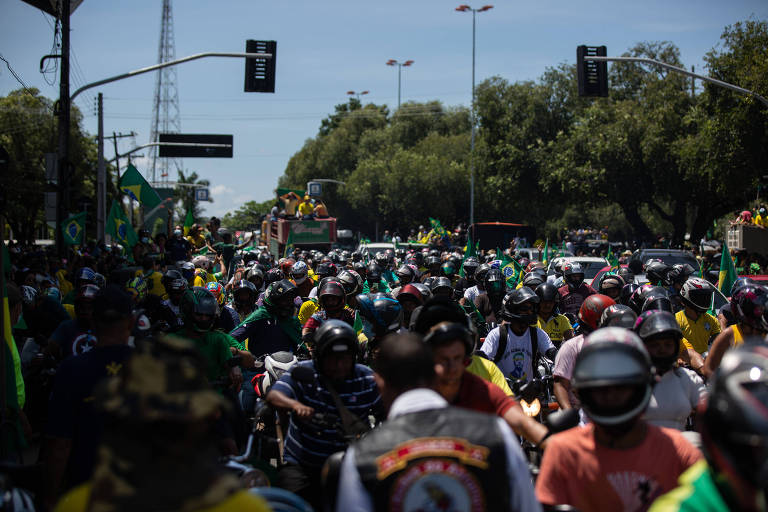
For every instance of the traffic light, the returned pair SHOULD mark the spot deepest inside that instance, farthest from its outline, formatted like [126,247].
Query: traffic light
[260,73]
[592,75]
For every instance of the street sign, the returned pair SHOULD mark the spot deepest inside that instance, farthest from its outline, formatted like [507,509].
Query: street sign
[50,206]
[201,194]
[193,145]
[592,75]
[260,73]
[314,188]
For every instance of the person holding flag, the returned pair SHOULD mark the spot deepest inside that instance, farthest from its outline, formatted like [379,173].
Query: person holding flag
[73,229]
[119,227]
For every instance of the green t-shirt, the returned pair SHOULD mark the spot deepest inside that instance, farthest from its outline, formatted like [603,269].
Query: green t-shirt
[214,346]
[698,492]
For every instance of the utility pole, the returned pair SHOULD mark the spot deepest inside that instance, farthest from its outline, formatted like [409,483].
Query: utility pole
[101,177]
[62,192]
[693,83]
[116,136]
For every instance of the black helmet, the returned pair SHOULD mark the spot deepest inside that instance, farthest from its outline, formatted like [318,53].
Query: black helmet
[510,309]
[334,336]
[432,261]
[655,324]
[331,288]
[697,294]
[657,301]
[626,274]
[199,301]
[279,296]
[618,315]
[404,273]
[679,273]
[656,273]
[373,274]
[446,332]
[494,282]
[738,283]
[360,268]
[533,280]
[325,270]
[273,275]
[470,265]
[481,272]
[265,259]
[613,356]
[626,293]
[750,306]
[384,313]
[351,281]
[637,299]
[611,285]
[382,259]
[426,293]
[548,292]
[356,256]
[734,426]
[441,286]
[573,274]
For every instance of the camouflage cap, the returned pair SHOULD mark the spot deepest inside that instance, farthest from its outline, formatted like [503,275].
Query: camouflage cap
[163,381]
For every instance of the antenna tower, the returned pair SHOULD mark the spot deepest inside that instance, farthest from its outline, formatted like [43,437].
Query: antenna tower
[166,116]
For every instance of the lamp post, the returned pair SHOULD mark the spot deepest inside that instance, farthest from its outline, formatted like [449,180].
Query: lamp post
[357,94]
[400,65]
[466,8]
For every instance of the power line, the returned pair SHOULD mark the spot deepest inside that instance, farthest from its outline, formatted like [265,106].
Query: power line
[24,85]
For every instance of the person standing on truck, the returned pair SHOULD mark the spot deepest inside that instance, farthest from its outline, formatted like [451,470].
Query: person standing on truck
[291,200]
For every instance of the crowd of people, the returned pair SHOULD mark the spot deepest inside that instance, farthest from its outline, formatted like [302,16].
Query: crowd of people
[135,376]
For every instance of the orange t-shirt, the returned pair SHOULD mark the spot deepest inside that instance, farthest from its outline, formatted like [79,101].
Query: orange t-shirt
[578,471]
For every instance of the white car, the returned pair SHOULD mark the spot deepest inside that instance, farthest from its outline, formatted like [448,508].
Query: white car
[590,264]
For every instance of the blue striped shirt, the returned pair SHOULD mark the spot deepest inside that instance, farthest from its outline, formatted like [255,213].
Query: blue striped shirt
[309,445]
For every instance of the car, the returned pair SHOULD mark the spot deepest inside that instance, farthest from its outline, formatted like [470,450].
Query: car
[534,254]
[373,249]
[590,264]
[668,256]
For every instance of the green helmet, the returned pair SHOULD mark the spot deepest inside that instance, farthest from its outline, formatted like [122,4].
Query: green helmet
[199,301]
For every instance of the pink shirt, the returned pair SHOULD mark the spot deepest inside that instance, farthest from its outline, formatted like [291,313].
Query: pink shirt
[566,360]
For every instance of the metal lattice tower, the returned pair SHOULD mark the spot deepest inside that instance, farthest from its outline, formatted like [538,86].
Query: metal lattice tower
[166,117]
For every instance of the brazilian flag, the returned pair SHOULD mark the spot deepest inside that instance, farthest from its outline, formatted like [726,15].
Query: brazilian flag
[133,184]
[728,274]
[119,227]
[73,229]
[11,436]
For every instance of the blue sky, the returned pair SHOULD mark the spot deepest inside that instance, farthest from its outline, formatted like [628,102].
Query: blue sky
[324,50]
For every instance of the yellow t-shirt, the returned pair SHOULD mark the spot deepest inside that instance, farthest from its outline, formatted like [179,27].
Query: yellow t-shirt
[70,309]
[154,283]
[759,220]
[738,338]
[556,327]
[65,286]
[77,500]
[696,334]
[197,241]
[306,208]
[486,369]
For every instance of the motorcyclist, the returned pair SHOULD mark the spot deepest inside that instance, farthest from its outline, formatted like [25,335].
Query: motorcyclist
[374,282]
[409,298]
[244,297]
[549,319]
[228,317]
[734,429]
[333,371]
[489,304]
[331,298]
[74,337]
[468,280]
[622,462]
[175,285]
[471,293]
[516,344]
[272,327]
[611,285]
[84,276]
[300,277]
[679,390]
[677,276]
[381,315]
[575,290]
[441,287]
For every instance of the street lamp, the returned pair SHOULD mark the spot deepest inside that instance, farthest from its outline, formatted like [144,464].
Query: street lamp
[357,94]
[466,8]
[400,65]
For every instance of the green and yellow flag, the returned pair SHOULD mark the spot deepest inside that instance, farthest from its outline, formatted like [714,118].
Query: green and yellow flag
[545,254]
[513,272]
[288,244]
[613,261]
[12,437]
[73,229]
[136,187]
[728,274]
[119,227]
[188,221]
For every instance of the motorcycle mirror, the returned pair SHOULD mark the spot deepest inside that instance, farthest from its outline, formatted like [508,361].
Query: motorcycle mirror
[561,420]
[303,374]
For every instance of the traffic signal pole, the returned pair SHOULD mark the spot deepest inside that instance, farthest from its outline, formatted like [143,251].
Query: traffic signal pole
[63,177]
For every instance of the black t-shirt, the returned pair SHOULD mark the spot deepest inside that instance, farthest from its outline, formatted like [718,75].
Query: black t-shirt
[71,411]
[73,337]
[177,249]
[45,318]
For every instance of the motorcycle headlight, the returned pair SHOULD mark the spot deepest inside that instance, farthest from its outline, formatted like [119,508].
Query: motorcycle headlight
[531,409]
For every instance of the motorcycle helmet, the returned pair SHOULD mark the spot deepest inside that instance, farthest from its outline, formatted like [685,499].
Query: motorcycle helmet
[655,324]
[331,296]
[656,273]
[626,293]
[217,291]
[273,275]
[426,293]
[626,274]
[470,266]
[657,301]
[404,274]
[374,274]
[382,259]
[591,311]
[441,286]
[738,283]
[697,293]
[138,288]
[265,259]
[350,281]
[187,269]
[448,269]
[547,292]
[611,285]
[199,309]
[533,280]
[432,263]
[279,297]
[410,292]
[256,276]
[637,299]
[381,311]
[494,282]
[750,306]
[446,332]
[679,273]
[299,271]
[618,315]
[573,274]
[336,337]
[515,304]
[481,272]
[286,264]
[613,357]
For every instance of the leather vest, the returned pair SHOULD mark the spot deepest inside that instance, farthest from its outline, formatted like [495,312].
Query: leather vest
[439,459]
[570,301]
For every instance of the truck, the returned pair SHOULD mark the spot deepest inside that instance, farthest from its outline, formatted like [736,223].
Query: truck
[490,235]
[746,237]
[317,234]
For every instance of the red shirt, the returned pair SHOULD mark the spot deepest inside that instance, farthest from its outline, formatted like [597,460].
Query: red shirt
[578,471]
[481,395]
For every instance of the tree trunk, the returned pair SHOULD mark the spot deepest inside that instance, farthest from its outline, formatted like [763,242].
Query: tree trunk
[632,215]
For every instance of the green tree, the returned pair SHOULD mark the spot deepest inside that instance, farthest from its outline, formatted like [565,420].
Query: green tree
[27,131]
[247,216]
[185,195]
